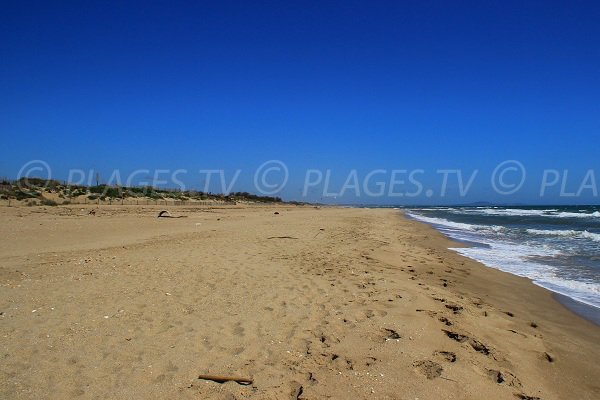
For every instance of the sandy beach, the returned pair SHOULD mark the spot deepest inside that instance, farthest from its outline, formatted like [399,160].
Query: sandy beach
[308,303]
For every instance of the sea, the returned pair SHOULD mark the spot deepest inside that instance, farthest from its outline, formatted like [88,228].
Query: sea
[556,247]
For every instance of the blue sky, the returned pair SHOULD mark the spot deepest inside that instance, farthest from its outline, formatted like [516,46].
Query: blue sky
[428,85]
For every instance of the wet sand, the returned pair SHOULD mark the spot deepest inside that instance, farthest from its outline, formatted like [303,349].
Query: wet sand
[308,303]
[585,311]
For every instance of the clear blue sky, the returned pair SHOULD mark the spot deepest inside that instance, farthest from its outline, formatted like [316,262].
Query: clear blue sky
[340,85]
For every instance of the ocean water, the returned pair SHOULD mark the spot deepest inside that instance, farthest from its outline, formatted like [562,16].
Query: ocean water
[558,248]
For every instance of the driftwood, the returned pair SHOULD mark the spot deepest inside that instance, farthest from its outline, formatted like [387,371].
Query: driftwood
[166,214]
[282,237]
[222,379]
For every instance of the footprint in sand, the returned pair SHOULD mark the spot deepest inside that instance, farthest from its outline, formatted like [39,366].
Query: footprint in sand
[429,369]
[342,362]
[475,344]
[238,330]
[387,334]
[370,361]
[445,355]
[456,309]
[504,378]
[371,313]
[525,397]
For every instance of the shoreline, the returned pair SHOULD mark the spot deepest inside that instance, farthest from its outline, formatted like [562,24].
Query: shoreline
[583,310]
[310,303]
[576,308]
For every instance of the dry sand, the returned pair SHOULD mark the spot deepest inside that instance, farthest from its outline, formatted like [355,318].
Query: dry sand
[309,303]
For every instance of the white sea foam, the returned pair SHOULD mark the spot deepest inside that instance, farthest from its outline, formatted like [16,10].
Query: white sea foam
[437,209]
[519,212]
[584,292]
[505,211]
[590,235]
[446,224]
[573,233]
[442,222]
[546,232]
[519,258]
[515,259]
[565,214]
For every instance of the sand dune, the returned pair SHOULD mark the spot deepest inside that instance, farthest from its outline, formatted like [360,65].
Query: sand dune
[308,303]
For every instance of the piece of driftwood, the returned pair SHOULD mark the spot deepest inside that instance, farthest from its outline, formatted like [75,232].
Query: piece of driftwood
[166,214]
[222,379]
[282,237]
